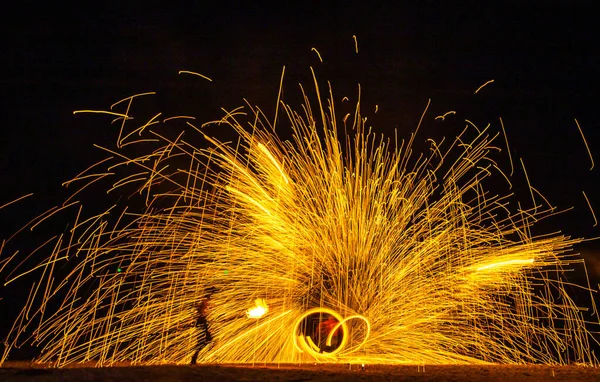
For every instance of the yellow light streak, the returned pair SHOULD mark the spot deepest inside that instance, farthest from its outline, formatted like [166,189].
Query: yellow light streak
[586,144]
[443,116]
[304,346]
[178,117]
[590,207]
[195,74]
[529,185]
[482,86]
[100,112]
[317,52]
[131,98]
[339,324]
[32,269]
[15,201]
[512,167]
[505,264]
[274,161]
[278,97]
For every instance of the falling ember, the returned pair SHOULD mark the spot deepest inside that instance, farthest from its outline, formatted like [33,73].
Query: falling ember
[409,257]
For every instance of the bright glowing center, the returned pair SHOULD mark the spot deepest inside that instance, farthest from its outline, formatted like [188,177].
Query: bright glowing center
[259,310]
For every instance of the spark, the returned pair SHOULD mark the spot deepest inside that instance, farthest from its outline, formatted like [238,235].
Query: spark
[15,201]
[528,184]
[443,117]
[278,97]
[355,43]
[33,269]
[100,112]
[482,86]
[586,144]
[178,117]
[125,118]
[195,74]
[503,264]
[130,99]
[317,52]
[512,168]
[590,207]
[274,161]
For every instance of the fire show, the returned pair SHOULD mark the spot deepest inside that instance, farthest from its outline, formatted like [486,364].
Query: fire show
[295,191]
[335,245]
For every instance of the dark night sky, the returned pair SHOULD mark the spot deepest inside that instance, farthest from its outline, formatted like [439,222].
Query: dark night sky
[543,58]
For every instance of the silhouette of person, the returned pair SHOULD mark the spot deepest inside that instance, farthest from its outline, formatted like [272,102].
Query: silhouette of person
[202,324]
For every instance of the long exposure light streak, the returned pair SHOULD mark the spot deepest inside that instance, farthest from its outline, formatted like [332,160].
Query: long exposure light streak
[408,256]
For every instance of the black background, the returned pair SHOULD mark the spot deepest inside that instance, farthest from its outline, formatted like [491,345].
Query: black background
[543,57]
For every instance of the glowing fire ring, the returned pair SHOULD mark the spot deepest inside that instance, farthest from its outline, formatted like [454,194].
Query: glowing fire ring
[304,344]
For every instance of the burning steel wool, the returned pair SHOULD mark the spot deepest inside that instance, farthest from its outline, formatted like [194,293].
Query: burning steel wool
[337,245]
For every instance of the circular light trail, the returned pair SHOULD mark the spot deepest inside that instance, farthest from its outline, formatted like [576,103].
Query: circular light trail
[306,344]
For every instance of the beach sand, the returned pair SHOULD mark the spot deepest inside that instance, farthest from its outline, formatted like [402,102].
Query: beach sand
[26,371]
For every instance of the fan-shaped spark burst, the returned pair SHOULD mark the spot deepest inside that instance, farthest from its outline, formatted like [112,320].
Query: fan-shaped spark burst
[412,258]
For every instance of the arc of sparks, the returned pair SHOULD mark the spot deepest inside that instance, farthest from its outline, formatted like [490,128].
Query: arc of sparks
[412,250]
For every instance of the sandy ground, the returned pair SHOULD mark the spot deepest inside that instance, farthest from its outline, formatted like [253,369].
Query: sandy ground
[23,371]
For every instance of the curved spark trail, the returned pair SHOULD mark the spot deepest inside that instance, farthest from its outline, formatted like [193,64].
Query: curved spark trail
[414,260]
